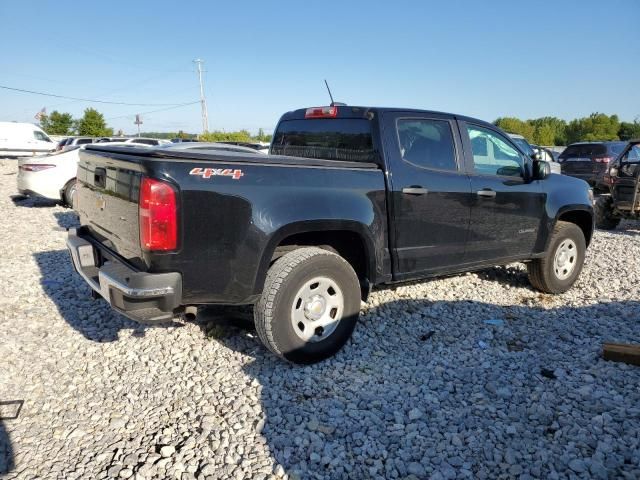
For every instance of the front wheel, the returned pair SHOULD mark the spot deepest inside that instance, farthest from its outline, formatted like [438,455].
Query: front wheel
[309,305]
[559,269]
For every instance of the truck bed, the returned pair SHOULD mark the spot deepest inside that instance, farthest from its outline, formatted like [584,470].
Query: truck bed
[225,220]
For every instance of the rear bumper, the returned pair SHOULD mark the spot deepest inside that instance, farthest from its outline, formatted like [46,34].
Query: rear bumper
[143,297]
[36,184]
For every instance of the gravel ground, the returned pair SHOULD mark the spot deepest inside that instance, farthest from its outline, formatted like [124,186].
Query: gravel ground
[426,388]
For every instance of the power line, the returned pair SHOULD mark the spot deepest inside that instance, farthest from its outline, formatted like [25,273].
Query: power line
[91,100]
[155,111]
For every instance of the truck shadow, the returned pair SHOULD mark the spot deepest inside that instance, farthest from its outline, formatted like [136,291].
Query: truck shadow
[93,318]
[435,386]
[68,219]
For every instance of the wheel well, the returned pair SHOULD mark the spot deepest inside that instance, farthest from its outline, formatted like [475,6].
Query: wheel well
[582,219]
[349,245]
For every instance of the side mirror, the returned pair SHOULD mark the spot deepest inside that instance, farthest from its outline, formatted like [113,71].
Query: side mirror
[541,169]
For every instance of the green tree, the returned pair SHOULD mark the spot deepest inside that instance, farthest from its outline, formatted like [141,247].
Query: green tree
[218,136]
[262,137]
[629,130]
[57,123]
[515,125]
[595,127]
[543,125]
[544,135]
[93,124]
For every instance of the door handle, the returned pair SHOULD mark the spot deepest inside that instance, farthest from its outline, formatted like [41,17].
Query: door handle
[415,191]
[487,193]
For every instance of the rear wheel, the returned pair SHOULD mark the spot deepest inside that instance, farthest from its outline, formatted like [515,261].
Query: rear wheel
[605,219]
[558,270]
[309,305]
[69,193]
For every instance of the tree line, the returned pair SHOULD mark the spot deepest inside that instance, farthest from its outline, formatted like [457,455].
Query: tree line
[555,131]
[539,131]
[93,124]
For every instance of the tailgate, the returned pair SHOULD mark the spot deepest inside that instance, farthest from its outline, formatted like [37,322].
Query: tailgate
[577,165]
[107,200]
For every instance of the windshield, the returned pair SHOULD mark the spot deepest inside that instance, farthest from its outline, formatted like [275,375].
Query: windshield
[523,144]
[327,138]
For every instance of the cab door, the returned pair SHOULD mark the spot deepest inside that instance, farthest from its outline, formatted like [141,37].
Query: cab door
[507,207]
[429,193]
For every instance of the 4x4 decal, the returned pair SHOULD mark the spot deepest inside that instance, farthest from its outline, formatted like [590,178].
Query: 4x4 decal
[220,172]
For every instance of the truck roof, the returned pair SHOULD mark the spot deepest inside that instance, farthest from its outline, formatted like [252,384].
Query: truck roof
[353,111]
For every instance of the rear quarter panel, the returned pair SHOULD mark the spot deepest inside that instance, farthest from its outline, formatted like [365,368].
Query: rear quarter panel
[230,227]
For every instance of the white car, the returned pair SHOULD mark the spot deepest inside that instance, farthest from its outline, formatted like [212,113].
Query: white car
[53,176]
[23,140]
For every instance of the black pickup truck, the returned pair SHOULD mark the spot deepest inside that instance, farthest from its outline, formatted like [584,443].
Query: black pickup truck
[348,198]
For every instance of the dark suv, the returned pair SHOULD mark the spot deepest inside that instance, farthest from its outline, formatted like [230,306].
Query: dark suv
[589,161]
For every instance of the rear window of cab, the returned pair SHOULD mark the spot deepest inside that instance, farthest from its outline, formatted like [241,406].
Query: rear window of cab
[347,139]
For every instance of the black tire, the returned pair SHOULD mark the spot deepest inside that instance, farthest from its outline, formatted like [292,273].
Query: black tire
[275,311]
[603,210]
[543,274]
[68,192]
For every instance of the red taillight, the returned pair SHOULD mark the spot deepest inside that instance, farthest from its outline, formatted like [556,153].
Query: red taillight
[321,112]
[602,159]
[35,167]
[158,216]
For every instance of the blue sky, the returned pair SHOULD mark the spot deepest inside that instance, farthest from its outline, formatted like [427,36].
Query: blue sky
[479,58]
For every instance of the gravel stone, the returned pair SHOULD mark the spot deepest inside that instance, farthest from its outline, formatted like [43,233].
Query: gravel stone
[167,451]
[411,395]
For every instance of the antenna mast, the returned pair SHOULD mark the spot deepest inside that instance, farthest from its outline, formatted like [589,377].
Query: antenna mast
[329,90]
[203,100]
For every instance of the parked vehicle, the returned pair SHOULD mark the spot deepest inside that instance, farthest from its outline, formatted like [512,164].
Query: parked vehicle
[218,146]
[544,154]
[589,161]
[149,141]
[349,198]
[23,140]
[53,176]
[623,181]
[530,150]
[70,142]
[261,147]
[139,140]
[184,140]
[50,176]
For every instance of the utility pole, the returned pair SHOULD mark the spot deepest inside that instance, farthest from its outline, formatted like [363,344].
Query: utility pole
[203,100]
[138,122]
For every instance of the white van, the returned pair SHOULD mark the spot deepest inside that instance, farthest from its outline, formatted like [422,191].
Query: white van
[23,140]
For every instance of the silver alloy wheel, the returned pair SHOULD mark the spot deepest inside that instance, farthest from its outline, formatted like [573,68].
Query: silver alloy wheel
[317,309]
[565,259]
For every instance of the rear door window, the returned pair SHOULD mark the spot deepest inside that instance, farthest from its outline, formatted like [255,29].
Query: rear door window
[427,143]
[327,138]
